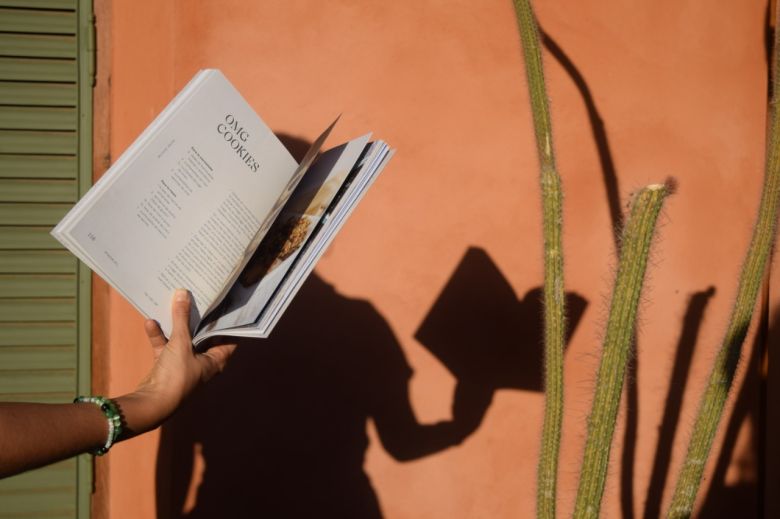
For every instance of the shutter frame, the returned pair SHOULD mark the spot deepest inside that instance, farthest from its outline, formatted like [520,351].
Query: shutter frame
[47,50]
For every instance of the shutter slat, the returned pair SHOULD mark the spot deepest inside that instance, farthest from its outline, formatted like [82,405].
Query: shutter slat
[32,214]
[40,166]
[43,493]
[40,4]
[37,262]
[24,190]
[37,46]
[59,505]
[27,69]
[44,358]
[38,94]
[37,118]
[56,476]
[38,143]
[15,238]
[44,381]
[39,396]
[37,334]
[51,505]
[37,21]
[37,285]
[36,310]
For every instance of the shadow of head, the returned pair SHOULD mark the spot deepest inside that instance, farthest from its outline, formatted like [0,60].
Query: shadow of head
[482,332]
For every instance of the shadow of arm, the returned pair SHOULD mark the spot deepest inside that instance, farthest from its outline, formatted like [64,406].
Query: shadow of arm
[405,439]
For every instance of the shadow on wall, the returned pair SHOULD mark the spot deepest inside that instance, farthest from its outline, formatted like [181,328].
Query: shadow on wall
[670,422]
[737,488]
[283,431]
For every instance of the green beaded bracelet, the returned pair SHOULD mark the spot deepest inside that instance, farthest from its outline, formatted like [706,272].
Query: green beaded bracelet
[110,409]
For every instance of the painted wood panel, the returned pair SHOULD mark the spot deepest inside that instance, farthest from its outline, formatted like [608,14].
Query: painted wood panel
[38,118]
[26,309]
[37,21]
[38,45]
[27,69]
[32,262]
[38,94]
[38,191]
[37,166]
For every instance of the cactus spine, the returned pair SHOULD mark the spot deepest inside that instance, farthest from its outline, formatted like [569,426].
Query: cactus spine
[637,237]
[554,311]
[725,365]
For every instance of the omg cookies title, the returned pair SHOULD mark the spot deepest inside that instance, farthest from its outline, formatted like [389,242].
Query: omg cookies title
[236,136]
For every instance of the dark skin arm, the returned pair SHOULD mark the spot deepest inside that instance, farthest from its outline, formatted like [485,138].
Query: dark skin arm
[33,435]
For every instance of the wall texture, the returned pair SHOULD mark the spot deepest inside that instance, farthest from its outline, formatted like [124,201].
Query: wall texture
[425,310]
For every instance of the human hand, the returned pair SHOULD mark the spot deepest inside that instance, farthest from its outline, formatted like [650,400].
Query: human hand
[177,371]
[469,405]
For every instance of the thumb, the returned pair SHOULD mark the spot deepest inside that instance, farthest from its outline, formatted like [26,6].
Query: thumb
[180,311]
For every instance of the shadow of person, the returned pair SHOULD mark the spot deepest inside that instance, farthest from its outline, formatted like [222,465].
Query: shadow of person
[282,431]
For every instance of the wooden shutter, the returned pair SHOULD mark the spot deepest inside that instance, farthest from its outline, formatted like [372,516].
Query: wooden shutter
[46,69]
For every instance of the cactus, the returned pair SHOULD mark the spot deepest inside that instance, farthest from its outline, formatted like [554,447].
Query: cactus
[636,240]
[554,311]
[725,365]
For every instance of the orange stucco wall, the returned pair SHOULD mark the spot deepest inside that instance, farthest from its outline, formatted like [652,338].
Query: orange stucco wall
[640,91]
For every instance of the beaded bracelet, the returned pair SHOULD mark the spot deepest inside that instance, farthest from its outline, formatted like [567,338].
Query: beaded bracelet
[111,411]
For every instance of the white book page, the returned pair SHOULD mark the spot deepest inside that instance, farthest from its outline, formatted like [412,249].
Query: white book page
[184,208]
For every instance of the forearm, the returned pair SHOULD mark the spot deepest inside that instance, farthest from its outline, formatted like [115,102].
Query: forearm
[418,440]
[32,435]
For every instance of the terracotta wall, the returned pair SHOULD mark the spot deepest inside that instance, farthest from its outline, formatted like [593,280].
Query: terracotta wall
[434,279]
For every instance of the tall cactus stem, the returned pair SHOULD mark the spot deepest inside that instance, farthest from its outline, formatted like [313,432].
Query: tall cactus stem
[632,264]
[725,365]
[554,300]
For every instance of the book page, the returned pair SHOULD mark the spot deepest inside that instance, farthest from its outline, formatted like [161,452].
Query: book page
[182,210]
[291,230]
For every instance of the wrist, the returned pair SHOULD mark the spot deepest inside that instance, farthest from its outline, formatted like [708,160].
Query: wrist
[142,412]
[111,412]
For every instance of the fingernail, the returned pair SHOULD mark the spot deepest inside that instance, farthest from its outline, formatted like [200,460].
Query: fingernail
[181,295]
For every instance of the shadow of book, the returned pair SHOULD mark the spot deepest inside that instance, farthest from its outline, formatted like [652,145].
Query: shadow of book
[483,333]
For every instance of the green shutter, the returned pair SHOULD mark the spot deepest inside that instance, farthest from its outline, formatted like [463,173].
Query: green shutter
[46,68]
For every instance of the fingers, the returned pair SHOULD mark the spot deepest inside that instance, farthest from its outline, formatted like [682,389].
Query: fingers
[215,360]
[181,313]
[155,336]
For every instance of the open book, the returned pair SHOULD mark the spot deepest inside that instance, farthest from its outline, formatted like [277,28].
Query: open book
[208,199]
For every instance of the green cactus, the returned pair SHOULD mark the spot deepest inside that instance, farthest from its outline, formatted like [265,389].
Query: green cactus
[554,300]
[635,247]
[750,279]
